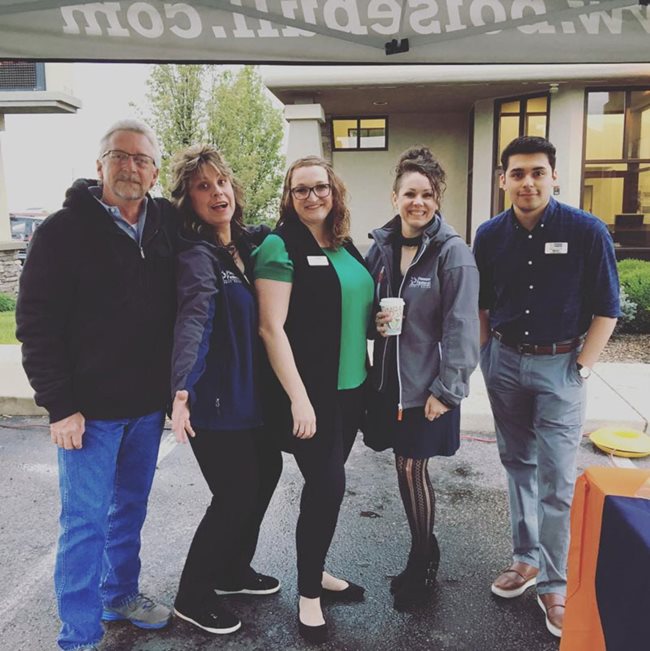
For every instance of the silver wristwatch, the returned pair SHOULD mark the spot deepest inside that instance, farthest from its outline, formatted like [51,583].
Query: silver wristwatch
[584,371]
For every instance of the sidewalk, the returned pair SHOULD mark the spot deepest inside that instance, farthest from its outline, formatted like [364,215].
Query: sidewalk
[617,397]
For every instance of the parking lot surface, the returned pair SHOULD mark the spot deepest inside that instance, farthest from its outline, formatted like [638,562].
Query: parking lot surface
[370,546]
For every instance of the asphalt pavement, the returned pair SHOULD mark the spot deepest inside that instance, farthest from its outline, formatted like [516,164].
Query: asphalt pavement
[370,546]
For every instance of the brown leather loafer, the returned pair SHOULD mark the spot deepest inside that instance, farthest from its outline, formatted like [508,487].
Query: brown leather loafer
[553,605]
[514,581]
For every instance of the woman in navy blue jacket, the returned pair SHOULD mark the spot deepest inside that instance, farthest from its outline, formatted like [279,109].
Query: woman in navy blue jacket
[214,378]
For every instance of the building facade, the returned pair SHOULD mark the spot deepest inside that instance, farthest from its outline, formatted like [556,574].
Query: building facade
[363,117]
[27,87]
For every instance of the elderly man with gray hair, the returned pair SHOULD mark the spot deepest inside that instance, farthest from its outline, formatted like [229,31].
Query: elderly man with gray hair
[95,316]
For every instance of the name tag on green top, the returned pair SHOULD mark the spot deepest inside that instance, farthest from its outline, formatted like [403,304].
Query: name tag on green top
[317,260]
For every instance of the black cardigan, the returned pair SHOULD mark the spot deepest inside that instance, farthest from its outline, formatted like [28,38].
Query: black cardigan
[313,327]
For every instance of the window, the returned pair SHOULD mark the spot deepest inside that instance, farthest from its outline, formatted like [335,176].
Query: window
[22,75]
[359,133]
[525,116]
[616,178]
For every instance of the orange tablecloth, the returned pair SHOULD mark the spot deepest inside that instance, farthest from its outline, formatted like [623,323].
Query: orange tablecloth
[582,629]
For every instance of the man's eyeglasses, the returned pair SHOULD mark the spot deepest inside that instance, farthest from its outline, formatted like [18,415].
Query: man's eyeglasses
[302,192]
[121,158]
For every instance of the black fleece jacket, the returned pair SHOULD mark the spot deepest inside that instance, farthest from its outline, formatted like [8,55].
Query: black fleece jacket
[95,311]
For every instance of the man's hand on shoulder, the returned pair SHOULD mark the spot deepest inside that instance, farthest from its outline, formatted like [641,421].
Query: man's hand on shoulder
[68,432]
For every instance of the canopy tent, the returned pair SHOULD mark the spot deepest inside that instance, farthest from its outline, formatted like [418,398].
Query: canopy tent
[329,31]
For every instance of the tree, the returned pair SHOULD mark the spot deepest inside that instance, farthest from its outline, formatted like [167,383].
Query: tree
[245,126]
[177,101]
[230,110]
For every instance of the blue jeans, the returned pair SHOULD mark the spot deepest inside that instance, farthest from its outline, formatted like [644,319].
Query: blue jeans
[104,490]
[538,403]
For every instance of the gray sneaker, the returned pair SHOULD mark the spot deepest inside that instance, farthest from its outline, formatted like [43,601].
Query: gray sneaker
[141,611]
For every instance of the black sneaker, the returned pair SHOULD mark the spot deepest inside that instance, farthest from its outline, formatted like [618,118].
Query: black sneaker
[212,618]
[254,583]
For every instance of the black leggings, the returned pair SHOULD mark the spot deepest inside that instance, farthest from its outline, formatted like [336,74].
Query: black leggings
[321,462]
[242,469]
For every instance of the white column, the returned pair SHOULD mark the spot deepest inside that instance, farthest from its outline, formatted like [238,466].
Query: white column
[565,132]
[482,164]
[304,130]
[5,230]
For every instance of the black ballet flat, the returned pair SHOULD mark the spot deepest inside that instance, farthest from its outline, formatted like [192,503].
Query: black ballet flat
[353,593]
[313,634]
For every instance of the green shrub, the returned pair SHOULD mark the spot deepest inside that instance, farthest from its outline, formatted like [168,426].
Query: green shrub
[7,303]
[631,265]
[635,280]
[628,313]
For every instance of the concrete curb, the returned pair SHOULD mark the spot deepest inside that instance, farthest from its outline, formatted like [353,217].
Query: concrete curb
[617,396]
[16,396]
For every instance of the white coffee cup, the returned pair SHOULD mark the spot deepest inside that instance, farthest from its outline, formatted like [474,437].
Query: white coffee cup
[394,307]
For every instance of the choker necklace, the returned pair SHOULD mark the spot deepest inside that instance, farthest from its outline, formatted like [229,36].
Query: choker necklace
[231,248]
[409,241]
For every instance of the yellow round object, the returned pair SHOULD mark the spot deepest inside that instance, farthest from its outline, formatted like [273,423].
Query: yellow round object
[621,442]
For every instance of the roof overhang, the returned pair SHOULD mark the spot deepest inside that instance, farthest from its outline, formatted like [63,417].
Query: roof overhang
[368,90]
[37,102]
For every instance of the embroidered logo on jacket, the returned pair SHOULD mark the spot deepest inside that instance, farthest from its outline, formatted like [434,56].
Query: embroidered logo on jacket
[229,277]
[420,283]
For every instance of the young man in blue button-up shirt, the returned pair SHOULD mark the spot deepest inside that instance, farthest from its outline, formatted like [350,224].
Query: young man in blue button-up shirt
[548,302]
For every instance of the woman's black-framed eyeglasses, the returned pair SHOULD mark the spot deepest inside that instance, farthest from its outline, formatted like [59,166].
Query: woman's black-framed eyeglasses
[320,190]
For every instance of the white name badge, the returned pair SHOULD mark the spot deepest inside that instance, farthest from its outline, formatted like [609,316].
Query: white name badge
[317,260]
[556,247]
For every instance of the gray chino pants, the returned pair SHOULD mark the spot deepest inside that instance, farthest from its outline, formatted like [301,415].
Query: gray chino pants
[538,403]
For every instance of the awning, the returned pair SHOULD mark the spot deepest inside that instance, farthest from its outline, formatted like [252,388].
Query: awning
[328,31]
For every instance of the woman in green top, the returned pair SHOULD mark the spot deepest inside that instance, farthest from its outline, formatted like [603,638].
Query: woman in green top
[315,298]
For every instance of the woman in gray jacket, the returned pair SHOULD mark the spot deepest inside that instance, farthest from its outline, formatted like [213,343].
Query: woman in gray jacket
[421,375]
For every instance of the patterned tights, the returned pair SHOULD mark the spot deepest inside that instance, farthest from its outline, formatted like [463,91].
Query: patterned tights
[419,502]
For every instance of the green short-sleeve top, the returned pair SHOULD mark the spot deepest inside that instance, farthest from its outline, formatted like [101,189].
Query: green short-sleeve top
[357,289]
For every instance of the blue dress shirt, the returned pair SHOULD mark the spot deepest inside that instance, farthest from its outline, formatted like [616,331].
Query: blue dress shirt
[134,231]
[544,286]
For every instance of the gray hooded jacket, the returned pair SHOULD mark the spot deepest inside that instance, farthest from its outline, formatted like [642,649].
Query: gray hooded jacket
[439,346]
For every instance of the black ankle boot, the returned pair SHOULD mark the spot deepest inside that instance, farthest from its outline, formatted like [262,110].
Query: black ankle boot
[433,556]
[398,579]
[414,586]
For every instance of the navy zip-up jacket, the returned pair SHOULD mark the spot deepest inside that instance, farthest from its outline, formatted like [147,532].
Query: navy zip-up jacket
[217,349]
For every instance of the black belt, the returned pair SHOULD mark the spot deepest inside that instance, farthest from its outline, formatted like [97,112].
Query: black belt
[557,348]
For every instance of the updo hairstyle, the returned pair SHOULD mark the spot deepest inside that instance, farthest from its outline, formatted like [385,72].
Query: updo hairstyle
[420,159]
